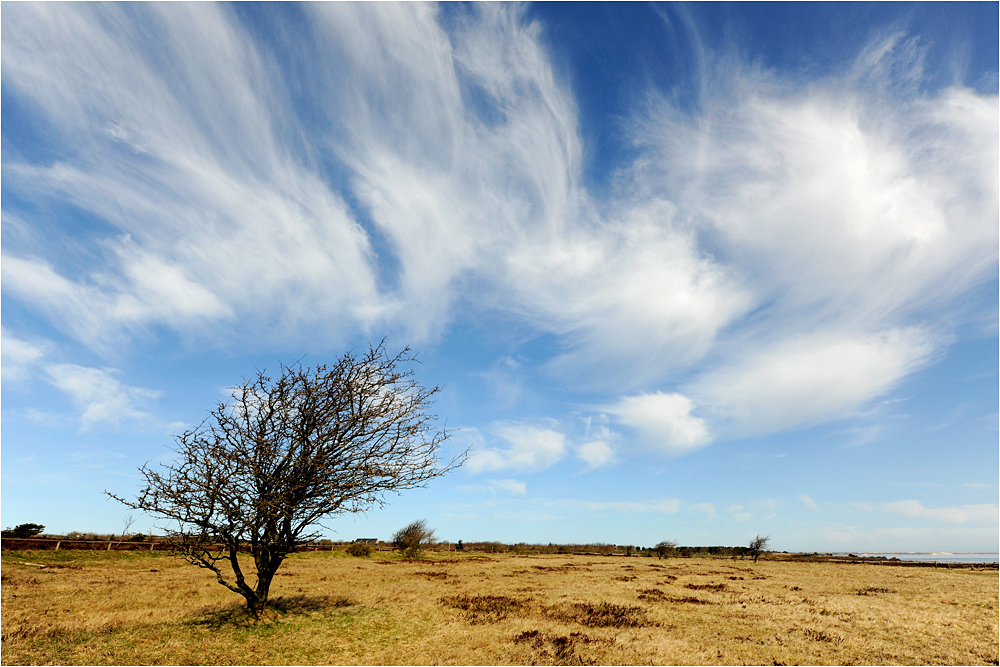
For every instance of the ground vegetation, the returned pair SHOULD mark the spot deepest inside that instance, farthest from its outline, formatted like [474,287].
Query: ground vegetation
[79,607]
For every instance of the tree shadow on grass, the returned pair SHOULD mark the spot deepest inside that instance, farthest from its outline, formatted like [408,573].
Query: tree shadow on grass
[236,615]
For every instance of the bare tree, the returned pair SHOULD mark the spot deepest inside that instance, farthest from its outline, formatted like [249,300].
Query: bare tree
[665,548]
[412,539]
[128,520]
[757,545]
[262,470]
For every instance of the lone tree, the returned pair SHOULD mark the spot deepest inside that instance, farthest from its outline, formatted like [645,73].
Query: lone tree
[412,539]
[665,548]
[262,470]
[757,545]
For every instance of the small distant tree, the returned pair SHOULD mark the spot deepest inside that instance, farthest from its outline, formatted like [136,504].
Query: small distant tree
[665,549]
[261,471]
[459,546]
[128,520]
[413,539]
[757,546]
[24,530]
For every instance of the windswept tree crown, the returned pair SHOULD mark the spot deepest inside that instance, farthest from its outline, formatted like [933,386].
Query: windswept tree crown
[262,470]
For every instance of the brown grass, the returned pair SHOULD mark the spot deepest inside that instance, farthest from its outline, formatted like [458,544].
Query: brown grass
[135,607]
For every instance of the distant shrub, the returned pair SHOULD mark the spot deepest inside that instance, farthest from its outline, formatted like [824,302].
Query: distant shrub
[757,546]
[24,530]
[137,538]
[665,549]
[359,550]
[460,546]
[412,539]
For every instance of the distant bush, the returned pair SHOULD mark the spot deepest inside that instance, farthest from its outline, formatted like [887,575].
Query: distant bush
[757,545]
[137,538]
[24,530]
[665,548]
[412,539]
[359,550]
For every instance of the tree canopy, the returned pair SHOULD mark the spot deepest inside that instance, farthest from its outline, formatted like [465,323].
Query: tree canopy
[264,469]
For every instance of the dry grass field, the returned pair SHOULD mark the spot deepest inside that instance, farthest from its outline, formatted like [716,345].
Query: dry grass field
[142,608]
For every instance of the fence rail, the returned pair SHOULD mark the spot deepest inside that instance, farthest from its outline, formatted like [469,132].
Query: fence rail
[59,544]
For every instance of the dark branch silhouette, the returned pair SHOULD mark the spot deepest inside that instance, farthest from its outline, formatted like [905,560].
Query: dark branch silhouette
[757,545]
[259,473]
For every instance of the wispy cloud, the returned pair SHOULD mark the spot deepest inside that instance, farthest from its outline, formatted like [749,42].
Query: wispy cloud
[207,221]
[808,502]
[509,486]
[598,448]
[658,506]
[596,454]
[530,449]
[781,253]
[99,395]
[955,514]
[850,207]
[18,355]
[810,379]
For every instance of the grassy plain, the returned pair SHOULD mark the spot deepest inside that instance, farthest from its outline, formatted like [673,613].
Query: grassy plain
[147,608]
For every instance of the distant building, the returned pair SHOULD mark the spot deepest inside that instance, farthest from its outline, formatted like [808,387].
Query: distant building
[367,540]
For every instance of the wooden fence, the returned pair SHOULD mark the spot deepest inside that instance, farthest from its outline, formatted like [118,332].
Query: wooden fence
[59,544]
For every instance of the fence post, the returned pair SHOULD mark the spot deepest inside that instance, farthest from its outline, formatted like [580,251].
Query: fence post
[57,545]
[109,545]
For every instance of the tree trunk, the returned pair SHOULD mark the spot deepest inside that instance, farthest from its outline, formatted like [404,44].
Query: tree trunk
[263,586]
[257,598]
[255,605]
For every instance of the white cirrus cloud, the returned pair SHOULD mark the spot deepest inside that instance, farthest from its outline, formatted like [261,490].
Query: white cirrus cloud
[367,168]
[652,506]
[634,294]
[955,514]
[808,502]
[206,221]
[664,421]
[809,379]
[739,512]
[529,449]
[659,506]
[100,396]
[18,355]
[508,486]
[848,199]
[854,210]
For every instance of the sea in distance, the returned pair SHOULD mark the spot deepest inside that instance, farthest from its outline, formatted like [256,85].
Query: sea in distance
[928,557]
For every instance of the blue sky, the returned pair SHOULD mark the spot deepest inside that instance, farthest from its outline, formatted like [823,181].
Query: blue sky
[690,272]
